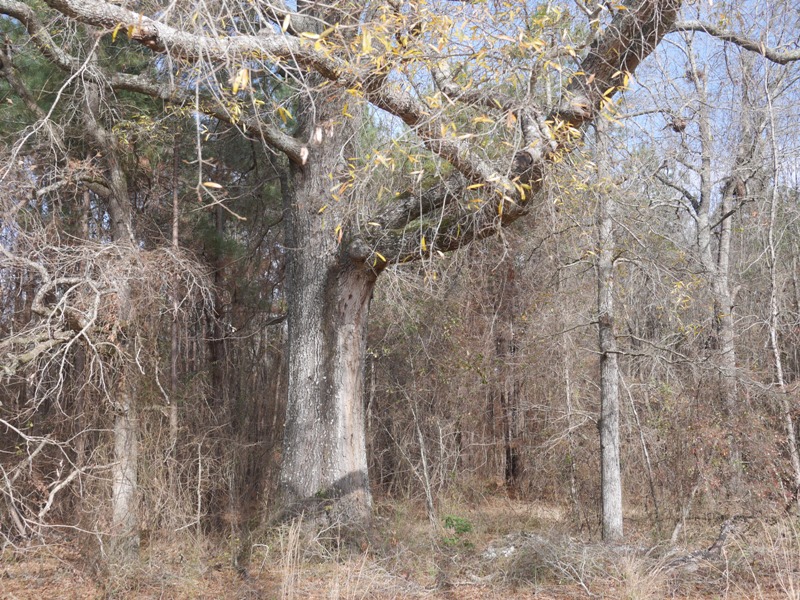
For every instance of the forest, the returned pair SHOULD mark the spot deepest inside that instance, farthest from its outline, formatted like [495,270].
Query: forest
[399,299]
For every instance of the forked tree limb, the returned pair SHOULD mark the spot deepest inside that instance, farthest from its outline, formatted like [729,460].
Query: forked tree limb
[633,33]
[631,36]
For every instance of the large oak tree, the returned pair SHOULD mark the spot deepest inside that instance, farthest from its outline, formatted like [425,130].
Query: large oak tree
[473,100]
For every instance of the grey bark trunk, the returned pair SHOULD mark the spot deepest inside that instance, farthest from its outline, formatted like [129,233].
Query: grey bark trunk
[324,452]
[125,522]
[774,317]
[611,479]
[717,270]
[125,542]
[609,382]
[124,518]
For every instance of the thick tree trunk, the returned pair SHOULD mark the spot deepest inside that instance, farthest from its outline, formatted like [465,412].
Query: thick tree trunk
[324,453]
[324,444]
[125,521]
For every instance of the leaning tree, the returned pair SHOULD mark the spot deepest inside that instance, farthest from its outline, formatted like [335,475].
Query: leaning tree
[470,101]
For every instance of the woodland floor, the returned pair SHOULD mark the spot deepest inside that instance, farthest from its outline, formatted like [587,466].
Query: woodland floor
[513,550]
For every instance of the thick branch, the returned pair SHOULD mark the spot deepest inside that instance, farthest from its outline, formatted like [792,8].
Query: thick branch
[141,84]
[42,342]
[408,207]
[476,97]
[631,36]
[39,34]
[160,37]
[781,57]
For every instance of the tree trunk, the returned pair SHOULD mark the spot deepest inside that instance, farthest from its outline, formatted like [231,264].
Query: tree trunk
[774,315]
[124,517]
[324,453]
[611,479]
[125,520]
[717,269]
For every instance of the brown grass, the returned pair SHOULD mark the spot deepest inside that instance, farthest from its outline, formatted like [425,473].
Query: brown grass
[514,550]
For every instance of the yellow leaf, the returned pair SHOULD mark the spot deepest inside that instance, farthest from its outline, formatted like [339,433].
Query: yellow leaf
[423,244]
[322,210]
[242,80]
[212,185]
[475,186]
[366,43]
[115,32]
[284,114]
[381,256]
[309,36]
[286,21]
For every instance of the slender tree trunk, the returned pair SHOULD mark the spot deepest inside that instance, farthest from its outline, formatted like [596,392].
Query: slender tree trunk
[175,337]
[774,316]
[124,517]
[507,382]
[216,341]
[717,268]
[611,479]
[723,306]
[125,522]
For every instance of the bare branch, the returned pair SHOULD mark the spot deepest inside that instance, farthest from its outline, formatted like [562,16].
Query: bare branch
[781,57]
[693,202]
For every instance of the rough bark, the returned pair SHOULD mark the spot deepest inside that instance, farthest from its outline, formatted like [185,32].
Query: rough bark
[611,478]
[324,453]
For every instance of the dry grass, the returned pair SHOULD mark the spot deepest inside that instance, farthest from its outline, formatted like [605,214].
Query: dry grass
[513,550]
